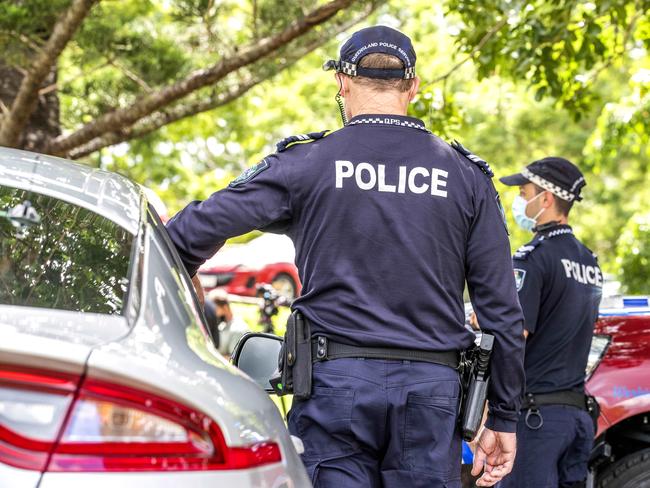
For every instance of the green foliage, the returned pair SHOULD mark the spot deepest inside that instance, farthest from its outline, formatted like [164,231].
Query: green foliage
[26,24]
[633,254]
[617,155]
[556,47]
[275,15]
[35,17]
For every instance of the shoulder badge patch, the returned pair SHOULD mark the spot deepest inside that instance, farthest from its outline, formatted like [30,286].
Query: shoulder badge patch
[285,144]
[482,164]
[524,251]
[520,276]
[250,173]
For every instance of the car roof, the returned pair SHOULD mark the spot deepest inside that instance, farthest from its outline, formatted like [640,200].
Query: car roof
[108,194]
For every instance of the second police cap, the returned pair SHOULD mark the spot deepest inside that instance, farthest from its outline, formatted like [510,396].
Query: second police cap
[376,39]
[557,175]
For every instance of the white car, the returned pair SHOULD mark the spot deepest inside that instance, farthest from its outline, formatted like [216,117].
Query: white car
[108,376]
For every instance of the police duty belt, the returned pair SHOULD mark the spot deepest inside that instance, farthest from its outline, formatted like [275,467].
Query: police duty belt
[324,349]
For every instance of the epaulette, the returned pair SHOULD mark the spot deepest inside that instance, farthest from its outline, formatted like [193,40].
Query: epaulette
[482,164]
[285,144]
[524,251]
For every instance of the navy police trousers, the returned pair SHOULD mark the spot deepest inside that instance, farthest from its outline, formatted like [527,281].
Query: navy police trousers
[554,455]
[378,423]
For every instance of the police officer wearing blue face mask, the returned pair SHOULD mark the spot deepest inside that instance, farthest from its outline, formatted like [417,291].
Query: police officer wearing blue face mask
[389,222]
[559,284]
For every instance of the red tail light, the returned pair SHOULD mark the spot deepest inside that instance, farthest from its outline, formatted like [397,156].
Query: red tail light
[45,426]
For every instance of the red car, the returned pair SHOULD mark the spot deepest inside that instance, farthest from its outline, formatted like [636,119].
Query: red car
[239,269]
[619,377]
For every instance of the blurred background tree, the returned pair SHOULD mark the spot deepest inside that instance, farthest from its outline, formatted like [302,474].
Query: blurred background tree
[514,81]
[130,67]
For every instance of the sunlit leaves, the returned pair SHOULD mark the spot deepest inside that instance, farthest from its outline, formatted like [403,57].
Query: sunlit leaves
[633,253]
[557,48]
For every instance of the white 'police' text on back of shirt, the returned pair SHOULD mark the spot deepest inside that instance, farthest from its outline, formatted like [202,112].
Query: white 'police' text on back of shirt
[367,176]
[583,274]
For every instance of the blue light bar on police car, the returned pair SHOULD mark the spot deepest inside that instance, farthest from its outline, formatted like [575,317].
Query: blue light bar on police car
[635,301]
[618,305]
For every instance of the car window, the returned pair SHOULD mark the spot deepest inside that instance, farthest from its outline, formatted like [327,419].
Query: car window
[170,304]
[184,285]
[166,243]
[58,255]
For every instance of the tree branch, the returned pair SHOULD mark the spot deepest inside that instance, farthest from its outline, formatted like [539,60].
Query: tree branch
[498,26]
[159,119]
[151,102]
[27,96]
[131,75]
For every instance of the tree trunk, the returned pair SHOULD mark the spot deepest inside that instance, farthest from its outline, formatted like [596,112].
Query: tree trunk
[44,124]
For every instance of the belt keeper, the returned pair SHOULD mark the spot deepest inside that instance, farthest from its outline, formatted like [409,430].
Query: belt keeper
[531,401]
[321,350]
[533,411]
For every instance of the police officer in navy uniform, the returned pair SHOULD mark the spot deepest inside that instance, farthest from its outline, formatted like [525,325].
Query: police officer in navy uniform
[559,284]
[389,222]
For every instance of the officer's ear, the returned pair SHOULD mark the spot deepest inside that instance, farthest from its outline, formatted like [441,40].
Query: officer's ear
[415,86]
[548,200]
[342,81]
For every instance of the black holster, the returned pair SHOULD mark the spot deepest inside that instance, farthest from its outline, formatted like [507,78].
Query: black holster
[295,361]
[475,379]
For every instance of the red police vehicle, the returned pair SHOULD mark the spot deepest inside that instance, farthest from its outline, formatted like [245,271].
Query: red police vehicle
[619,377]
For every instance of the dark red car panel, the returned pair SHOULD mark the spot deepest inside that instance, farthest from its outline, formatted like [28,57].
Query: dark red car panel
[621,382]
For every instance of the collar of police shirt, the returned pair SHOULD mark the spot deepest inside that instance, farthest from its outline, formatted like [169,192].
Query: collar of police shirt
[552,229]
[388,119]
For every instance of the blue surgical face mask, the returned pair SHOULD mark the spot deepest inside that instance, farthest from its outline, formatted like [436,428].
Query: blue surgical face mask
[519,205]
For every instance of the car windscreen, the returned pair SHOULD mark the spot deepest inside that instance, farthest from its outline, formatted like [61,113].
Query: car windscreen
[54,254]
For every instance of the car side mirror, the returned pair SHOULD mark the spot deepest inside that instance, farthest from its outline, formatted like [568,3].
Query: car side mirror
[256,354]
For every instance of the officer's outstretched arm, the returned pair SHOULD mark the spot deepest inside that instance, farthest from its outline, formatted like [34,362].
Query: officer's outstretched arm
[493,293]
[257,199]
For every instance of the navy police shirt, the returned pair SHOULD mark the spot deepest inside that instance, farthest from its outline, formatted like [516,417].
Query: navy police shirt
[560,287]
[388,222]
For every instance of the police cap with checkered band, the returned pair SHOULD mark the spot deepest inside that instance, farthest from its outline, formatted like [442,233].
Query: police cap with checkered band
[557,175]
[376,39]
